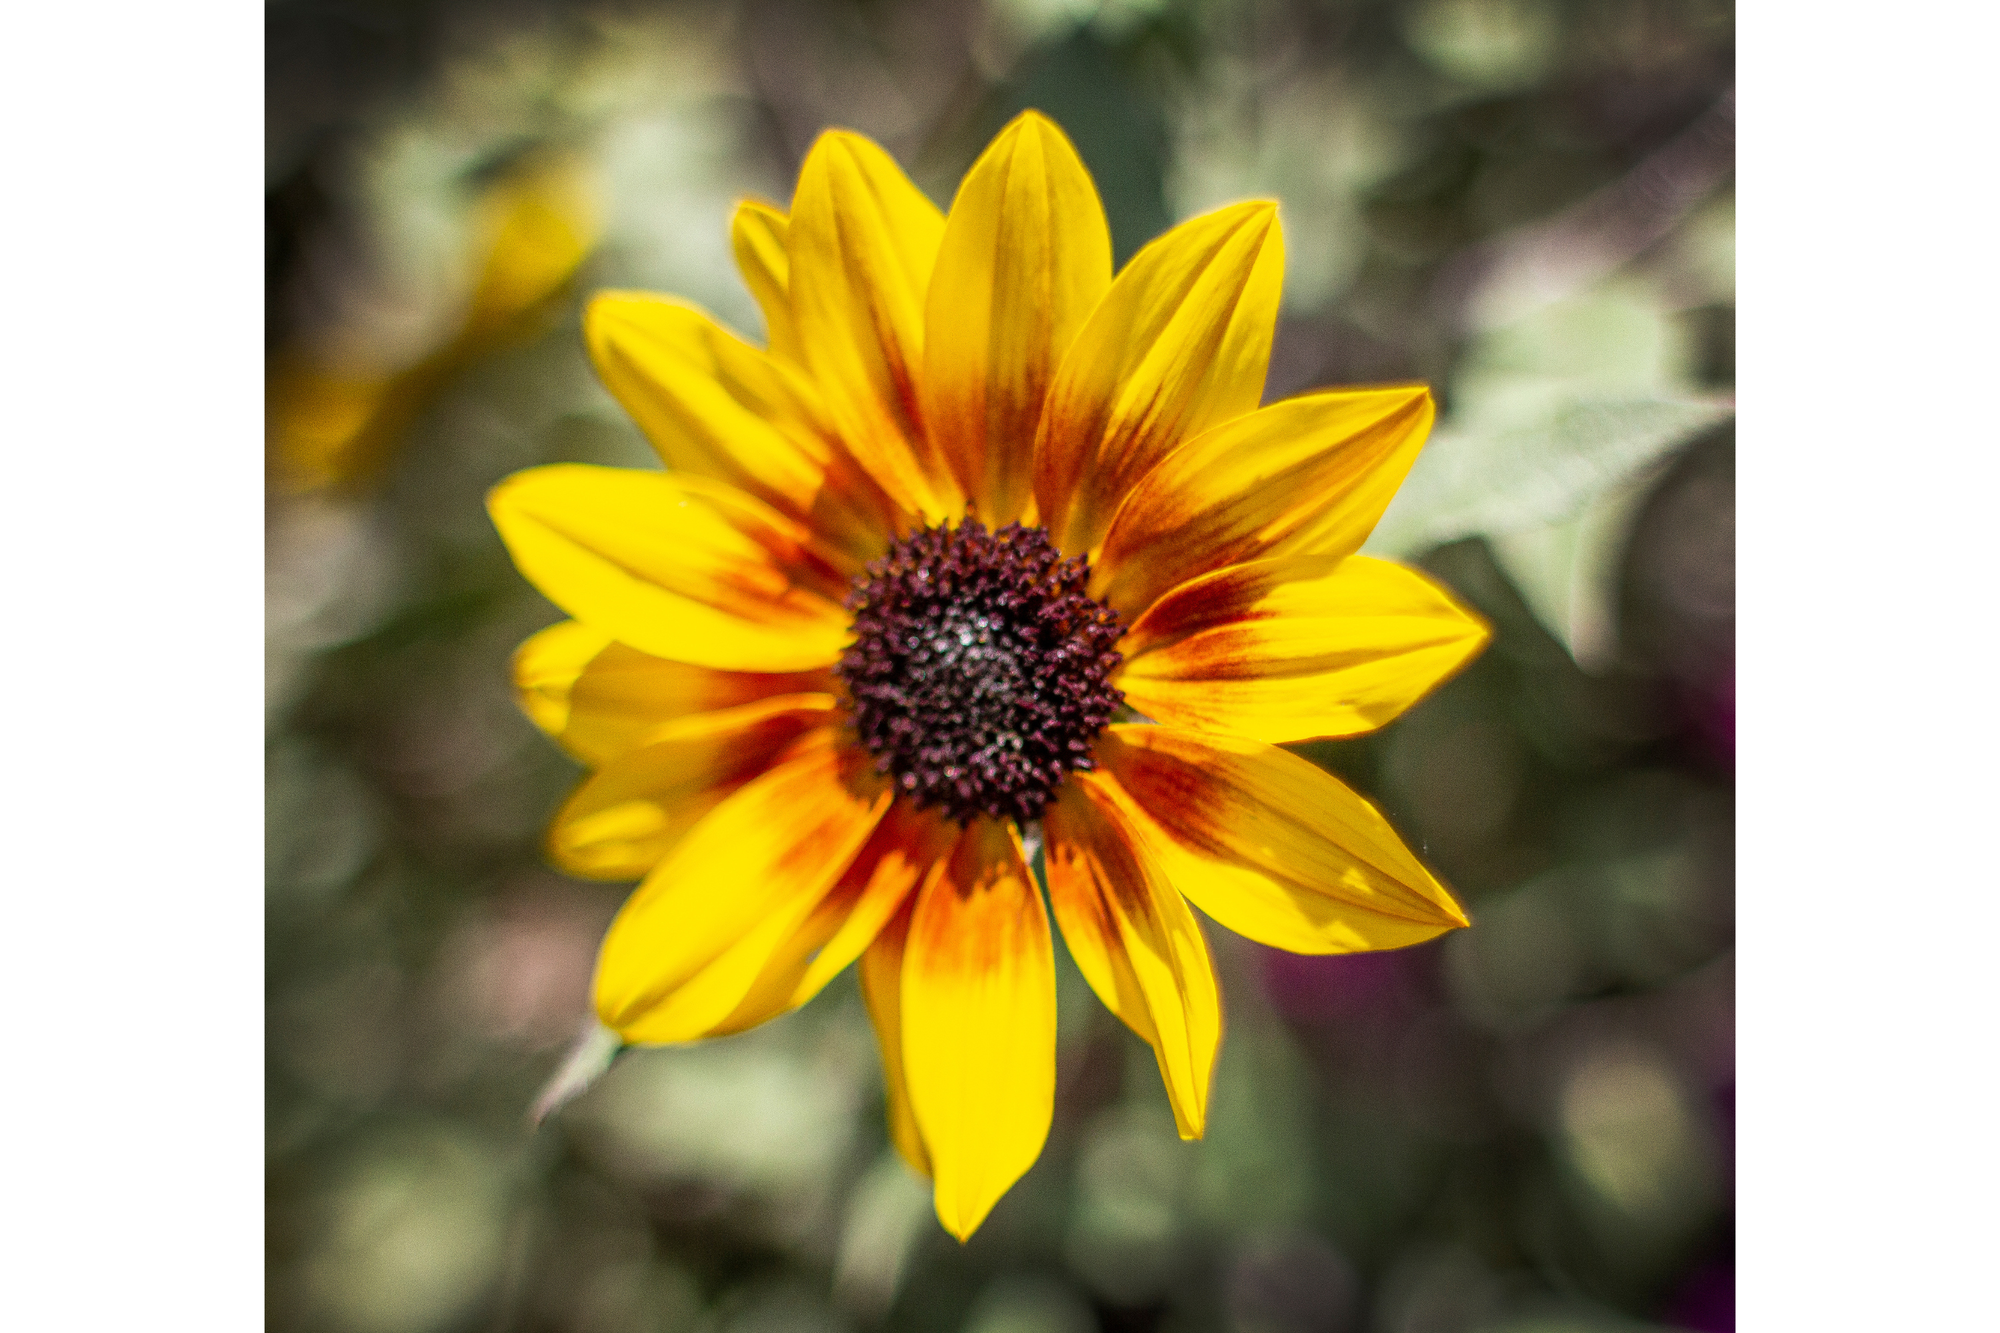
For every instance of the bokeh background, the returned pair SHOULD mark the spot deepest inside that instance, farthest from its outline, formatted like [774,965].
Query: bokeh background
[1526,1126]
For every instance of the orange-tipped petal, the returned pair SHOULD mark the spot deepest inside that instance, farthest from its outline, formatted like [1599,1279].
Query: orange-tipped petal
[1025,259]
[1296,648]
[1270,846]
[1309,475]
[691,942]
[1135,941]
[979,1023]
[862,243]
[1179,343]
[679,567]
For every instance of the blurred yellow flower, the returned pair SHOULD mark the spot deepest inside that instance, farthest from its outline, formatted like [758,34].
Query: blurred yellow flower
[989,547]
[336,419]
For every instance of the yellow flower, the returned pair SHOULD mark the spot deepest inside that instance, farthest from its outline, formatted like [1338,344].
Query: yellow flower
[337,420]
[988,542]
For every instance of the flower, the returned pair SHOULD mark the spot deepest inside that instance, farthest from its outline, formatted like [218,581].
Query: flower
[986,542]
[337,417]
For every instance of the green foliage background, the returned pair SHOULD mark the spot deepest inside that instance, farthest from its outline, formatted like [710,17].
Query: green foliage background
[1526,1126]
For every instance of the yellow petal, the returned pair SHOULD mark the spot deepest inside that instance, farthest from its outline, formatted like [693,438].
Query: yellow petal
[625,818]
[757,234]
[1025,259]
[339,421]
[1296,648]
[1179,343]
[546,668]
[333,426]
[905,847]
[882,988]
[714,406]
[862,243]
[1270,846]
[979,1023]
[688,945]
[540,225]
[624,699]
[679,567]
[1135,941]
[1307,475]
[600,699]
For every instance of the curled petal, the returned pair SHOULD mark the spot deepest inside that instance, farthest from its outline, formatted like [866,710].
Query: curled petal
[1026,257]
[547,666]
[1270,846]
[862,243]
[979,1022]
[1179,343]
[1309,475]
[1135,941]
[679,567]
[757,236]
[1296,648]
[690,943]
[628,816]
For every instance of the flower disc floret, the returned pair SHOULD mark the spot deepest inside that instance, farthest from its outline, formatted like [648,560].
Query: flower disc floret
[980,672]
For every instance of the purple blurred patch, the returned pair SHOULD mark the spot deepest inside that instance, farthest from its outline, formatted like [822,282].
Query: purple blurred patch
[1712,707]
[1706,1301]
[1291,1282]
[1724,1103]
[1323,988]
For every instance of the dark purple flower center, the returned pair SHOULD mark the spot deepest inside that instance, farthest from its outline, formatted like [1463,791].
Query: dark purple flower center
[980,670]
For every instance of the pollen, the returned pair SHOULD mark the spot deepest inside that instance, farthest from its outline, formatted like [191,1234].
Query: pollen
[979,675]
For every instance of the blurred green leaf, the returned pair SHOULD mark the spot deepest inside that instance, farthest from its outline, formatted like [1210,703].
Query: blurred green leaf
[1543,472]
